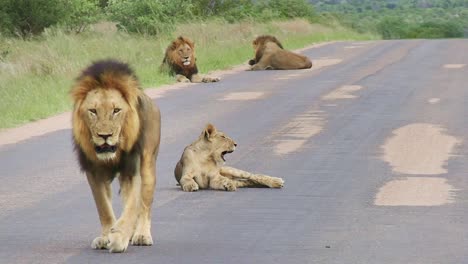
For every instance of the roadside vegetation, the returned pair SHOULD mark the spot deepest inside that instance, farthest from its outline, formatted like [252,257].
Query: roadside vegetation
[45,43]
[400,19]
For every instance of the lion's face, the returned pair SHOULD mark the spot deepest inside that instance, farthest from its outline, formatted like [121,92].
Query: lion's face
[219,143]
[104,111]
[185,54]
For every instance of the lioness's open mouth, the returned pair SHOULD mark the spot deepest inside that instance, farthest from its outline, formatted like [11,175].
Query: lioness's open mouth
[224,153]
[105,148]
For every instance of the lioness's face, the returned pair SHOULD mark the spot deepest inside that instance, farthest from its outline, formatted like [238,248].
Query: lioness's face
[104,112]
[185,53]
[221,144]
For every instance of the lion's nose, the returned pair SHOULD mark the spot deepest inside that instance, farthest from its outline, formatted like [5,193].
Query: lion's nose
[186,57]
[105,136]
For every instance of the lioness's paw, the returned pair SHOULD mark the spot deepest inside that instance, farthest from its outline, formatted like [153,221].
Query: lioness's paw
[190,187]
[142,240]
[100,243]
[276,182]
[229,186]
[117,242]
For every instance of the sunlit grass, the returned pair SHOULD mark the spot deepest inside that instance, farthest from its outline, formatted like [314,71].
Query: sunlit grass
[36,75]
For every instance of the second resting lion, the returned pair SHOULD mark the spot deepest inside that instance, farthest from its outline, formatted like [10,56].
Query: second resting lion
[201,166]
[180,60]
[270,55]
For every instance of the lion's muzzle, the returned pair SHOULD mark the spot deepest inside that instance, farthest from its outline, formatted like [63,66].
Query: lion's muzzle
[186,61]
[105,148]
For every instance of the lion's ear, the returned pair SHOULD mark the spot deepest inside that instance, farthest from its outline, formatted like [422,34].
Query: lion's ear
[209,131]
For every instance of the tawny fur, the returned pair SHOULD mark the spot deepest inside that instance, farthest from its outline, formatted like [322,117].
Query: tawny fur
[116,132]
[180,60]
[201,166]
[270,55]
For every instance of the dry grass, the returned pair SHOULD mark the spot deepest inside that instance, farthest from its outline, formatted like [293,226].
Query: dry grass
[37,75]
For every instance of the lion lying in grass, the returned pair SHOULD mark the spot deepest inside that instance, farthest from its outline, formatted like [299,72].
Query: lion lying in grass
[201,166]
[270,55]
[180,60]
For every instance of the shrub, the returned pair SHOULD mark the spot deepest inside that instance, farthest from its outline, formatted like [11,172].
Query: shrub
[30,17]
[149,16]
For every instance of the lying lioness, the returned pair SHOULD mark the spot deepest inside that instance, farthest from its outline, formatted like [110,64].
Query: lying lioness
[201,166]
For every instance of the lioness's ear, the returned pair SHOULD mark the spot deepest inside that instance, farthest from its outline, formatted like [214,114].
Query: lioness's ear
[209,131]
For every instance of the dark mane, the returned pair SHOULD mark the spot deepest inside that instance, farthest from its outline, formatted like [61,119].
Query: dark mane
[99,68]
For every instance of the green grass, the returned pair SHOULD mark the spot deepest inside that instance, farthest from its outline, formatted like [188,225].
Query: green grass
[36,75]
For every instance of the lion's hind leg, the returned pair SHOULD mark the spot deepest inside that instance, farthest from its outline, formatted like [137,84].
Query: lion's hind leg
[258,179]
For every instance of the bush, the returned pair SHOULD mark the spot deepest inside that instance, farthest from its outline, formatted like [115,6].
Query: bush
[30,17]
[82,14]
[432,29]
[149,16]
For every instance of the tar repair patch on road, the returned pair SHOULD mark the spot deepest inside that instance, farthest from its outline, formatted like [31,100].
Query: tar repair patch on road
[242,96]
[419,149]
[344,92]
[415,191]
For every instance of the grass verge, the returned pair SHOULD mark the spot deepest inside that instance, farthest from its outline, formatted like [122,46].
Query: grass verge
[36,76]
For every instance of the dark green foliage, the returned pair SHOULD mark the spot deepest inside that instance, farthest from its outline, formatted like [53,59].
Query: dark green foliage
[30,17]
[156,16]
[396,19]
[149,16]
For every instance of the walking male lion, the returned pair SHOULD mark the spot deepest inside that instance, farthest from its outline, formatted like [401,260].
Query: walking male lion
[116,132]
[270,55]
[201,166]
[180,60]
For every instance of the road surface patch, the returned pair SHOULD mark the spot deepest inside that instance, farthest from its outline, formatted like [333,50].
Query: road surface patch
[454,66]
[289,76]
[433,100]
[419,148]
[242,96]
[344,92]
[416,191]
[321,63]
[296,133]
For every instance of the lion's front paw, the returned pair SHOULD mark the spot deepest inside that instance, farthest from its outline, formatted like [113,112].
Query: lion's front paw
[100,242]
[229,186]
[210,79]
[276,182]
[190,187]
[183,79]
[142,240]
[117,242]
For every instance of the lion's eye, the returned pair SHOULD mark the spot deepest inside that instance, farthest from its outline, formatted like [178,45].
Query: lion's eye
[92,111]
[117,110]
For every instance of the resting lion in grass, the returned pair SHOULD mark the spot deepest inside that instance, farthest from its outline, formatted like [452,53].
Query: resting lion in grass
[116,132]
[270,55]
[180,60]
[201,166]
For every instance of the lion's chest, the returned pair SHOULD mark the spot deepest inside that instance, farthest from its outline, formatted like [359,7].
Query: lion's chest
[204,175]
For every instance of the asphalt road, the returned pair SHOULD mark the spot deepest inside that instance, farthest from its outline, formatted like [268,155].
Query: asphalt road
[370,143]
